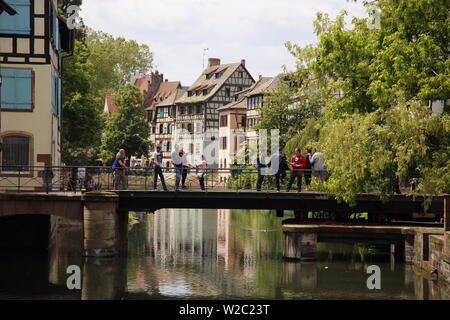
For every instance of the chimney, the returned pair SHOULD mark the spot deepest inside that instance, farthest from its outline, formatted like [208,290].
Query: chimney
[213,62]
[243,62]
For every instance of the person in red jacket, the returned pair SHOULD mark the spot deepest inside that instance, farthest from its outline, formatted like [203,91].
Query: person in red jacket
[298,162]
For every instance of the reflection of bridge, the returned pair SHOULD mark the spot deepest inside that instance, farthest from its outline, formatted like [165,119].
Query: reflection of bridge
[105,215]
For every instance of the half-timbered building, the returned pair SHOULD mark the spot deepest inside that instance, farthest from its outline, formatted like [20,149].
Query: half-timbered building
[32,44]
[197,115]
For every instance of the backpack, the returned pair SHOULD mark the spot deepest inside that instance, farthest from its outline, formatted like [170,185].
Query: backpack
[114,164]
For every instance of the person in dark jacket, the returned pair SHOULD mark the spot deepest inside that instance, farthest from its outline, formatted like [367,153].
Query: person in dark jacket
[260,163]
[298,162]
[281,160]
[308,169]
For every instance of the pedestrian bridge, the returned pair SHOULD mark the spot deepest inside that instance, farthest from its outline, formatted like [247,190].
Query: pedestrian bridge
[70,205]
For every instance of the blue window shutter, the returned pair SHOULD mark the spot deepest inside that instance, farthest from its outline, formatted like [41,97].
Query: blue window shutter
[19,23]
[55,31]
[161,112]
[16,89]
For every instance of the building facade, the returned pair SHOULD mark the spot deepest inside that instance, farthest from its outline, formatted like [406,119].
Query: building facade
[32,43]
[232,131]
[255,99]
[165,124]
[197,114]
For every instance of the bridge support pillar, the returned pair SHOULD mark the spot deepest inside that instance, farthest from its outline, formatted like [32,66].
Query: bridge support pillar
[299,245]
[447,229]
[102,225]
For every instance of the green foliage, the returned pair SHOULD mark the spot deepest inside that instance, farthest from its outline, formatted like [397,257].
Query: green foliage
[127,128]
[308,138]
[115,60]
[287,109]
[372,152]
[373,68]
[83,118]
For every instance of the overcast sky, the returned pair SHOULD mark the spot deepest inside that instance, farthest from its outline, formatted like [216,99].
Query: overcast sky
[177,31]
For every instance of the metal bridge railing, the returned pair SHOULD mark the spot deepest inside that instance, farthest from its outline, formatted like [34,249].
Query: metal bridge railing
[87,178]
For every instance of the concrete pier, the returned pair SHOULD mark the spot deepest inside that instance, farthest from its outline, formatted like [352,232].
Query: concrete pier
[103,225]
[424,247]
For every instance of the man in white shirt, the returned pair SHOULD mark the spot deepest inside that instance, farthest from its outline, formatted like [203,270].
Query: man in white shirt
[157,162]
[317,162]
[177,161]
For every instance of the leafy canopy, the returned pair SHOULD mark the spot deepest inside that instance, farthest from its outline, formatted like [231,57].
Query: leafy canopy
[127,128]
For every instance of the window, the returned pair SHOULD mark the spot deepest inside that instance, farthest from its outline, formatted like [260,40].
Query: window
[199,109]
[227,92]
[243,121]
[16,89]
[224,121]
[19,23]
[169,129]
[205,92]
[223,143]
[169,146]
[189,93]
[170,111]
[181,110]
[240,74]
[16,153]
[190,109]
[189,127]
[161,129]
[161,112]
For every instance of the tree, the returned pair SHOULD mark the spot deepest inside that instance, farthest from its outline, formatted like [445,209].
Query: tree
[287,108]
[127,128]
[115,60]
[406,58]
[83,118]
[374,151]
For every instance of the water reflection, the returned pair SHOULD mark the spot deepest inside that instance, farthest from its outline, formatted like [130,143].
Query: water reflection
[208,254]
[238,254]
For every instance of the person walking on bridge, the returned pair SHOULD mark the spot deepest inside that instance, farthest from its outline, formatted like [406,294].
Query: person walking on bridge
[298,162]
[260,163]
[177,161]
[157,163]
[308,169]
[119,168]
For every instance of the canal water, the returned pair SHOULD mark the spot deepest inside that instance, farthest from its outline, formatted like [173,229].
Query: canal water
[208,254]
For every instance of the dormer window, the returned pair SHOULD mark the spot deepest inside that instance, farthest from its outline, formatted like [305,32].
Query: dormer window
[189,93]
[205,92]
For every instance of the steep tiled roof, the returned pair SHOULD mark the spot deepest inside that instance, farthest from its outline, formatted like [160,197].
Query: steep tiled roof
[170,101]
[203,82]
[264,84]
[165,90]
[239,104]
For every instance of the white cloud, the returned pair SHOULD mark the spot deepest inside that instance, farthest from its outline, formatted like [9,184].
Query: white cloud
[177,31]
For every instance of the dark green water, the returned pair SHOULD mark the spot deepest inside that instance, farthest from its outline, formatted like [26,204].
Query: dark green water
[209,254]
